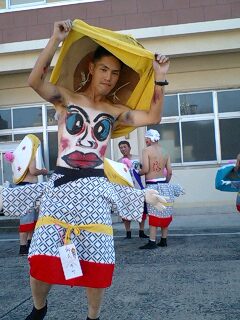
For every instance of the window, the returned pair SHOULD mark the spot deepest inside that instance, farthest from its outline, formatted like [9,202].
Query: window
[20,2]
[27,117]
[198,141]
[170,139]
[230,138]
[53,151]
[201,127]
[229,101]
[196,103]
[9,5]
[5,119]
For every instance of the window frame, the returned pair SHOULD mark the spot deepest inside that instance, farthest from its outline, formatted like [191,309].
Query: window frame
[215,116]
[41,4]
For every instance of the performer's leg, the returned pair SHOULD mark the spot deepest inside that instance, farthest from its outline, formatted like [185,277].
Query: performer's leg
[23,243]
[152,239]
[163,241]
[40,291]
[141,230]
[127,224]
[94,297]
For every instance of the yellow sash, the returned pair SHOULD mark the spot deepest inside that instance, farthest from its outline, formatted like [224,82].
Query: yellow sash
[94,227]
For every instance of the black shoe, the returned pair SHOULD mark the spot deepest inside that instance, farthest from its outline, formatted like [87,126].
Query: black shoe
[93,319]
[142,234]
[162,243]
[37,314]
[23,251]
[128,235]
[149,245]
[28,244]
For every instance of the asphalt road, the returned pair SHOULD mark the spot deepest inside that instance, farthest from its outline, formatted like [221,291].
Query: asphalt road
[197,277]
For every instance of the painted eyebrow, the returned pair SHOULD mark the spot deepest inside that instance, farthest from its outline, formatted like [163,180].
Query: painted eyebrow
[103,115]
[81,111]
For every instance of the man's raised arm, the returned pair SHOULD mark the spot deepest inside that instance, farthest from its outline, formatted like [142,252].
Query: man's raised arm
[37,79]
[139,118]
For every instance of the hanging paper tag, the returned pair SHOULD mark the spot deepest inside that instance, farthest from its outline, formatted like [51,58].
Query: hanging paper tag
[70,262]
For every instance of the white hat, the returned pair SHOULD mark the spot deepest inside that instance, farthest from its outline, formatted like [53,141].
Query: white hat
[153,135]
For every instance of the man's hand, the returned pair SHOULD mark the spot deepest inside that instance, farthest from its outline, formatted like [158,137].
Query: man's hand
[153,198]
[62,29]
[160,66]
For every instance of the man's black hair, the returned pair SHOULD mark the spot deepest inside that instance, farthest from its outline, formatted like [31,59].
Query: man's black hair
[124,142]
[102,52]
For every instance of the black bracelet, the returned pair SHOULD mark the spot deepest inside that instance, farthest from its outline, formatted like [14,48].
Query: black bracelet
[161,83]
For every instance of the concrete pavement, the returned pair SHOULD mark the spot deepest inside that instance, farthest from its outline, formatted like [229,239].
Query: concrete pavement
[197,277]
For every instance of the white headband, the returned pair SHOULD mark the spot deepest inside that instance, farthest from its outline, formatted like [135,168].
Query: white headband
[153,135]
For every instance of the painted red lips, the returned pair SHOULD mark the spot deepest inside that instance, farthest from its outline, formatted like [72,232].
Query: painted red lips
[78,159]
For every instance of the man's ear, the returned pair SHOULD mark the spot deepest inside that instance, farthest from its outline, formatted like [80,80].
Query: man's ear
[91,67]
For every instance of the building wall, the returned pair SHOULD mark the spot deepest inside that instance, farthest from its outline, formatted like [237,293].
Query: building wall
[116,15]
[204,56]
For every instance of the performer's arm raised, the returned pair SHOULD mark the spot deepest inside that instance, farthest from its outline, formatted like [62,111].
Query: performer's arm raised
[37,79]
[139,118]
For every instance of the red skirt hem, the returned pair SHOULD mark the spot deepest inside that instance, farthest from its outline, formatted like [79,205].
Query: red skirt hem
[49,269]
[27,227]
[159,222]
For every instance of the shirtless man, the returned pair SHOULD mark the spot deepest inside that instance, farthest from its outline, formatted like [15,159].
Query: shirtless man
[77,201]
[134,164]
[154,161]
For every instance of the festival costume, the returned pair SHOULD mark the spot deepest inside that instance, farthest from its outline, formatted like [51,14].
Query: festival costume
[77,201]
[227,179]
[20,159]
[76,206]
[134,167]
[162,218]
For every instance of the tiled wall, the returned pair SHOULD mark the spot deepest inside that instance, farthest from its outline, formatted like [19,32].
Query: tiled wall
[115,15]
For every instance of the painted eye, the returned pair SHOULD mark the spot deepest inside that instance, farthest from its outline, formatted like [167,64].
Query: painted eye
[102,129]
[74,123]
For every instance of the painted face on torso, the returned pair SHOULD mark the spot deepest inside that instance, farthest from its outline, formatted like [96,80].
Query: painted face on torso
[83,137]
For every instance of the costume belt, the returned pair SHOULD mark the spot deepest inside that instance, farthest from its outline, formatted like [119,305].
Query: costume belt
[93,227]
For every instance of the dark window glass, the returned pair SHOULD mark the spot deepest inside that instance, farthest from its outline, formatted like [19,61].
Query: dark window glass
[169,139]
[27,117]
[198,141]
[19,137]
[53,149]
[230,138]
[170,106]
[5,138]
[5,119]
[51,121]
[19,2]
[196,103]
[228,101]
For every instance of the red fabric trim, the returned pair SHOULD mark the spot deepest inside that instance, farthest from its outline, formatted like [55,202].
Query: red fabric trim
[238,207]
[159,222]
[27,227]
[144,216]
[49,269]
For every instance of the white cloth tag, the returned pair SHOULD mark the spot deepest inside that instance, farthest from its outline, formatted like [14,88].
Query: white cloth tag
[70,262]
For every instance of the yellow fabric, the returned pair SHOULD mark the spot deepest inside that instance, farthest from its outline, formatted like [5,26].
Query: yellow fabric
[115,175]
[35,145]
[125,48]
[94,227]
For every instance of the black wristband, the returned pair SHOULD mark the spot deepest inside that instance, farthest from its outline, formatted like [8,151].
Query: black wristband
[161,83]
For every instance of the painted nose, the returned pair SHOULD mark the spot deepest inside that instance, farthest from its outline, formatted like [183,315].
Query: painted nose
[88,141]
